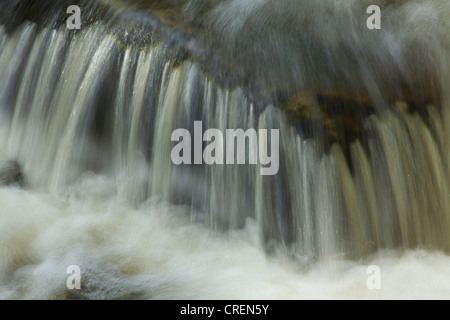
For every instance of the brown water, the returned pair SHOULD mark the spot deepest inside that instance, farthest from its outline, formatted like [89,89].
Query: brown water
[91,120]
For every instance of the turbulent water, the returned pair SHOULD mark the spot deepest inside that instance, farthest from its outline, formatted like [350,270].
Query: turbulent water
[89,117]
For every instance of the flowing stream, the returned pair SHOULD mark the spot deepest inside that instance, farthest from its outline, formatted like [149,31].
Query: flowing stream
[89,118]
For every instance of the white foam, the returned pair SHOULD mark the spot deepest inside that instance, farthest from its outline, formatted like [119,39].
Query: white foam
[154,252]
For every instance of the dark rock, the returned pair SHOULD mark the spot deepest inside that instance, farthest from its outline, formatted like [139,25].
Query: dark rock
[11,173]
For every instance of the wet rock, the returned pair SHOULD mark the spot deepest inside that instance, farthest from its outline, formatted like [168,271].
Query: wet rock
[310,72]
[11,173]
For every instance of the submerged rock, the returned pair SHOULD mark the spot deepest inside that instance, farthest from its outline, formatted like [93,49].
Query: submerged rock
[11,173]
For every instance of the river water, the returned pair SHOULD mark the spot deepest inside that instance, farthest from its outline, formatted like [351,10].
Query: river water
[89,118]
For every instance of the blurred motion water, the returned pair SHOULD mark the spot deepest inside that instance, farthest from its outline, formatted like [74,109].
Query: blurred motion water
[89,115]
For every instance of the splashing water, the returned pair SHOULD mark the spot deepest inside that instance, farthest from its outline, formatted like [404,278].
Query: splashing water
[90,120]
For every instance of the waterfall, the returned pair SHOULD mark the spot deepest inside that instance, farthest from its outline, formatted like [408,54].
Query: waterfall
[89,101]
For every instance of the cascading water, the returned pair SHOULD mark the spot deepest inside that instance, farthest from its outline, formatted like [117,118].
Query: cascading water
[89,116]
